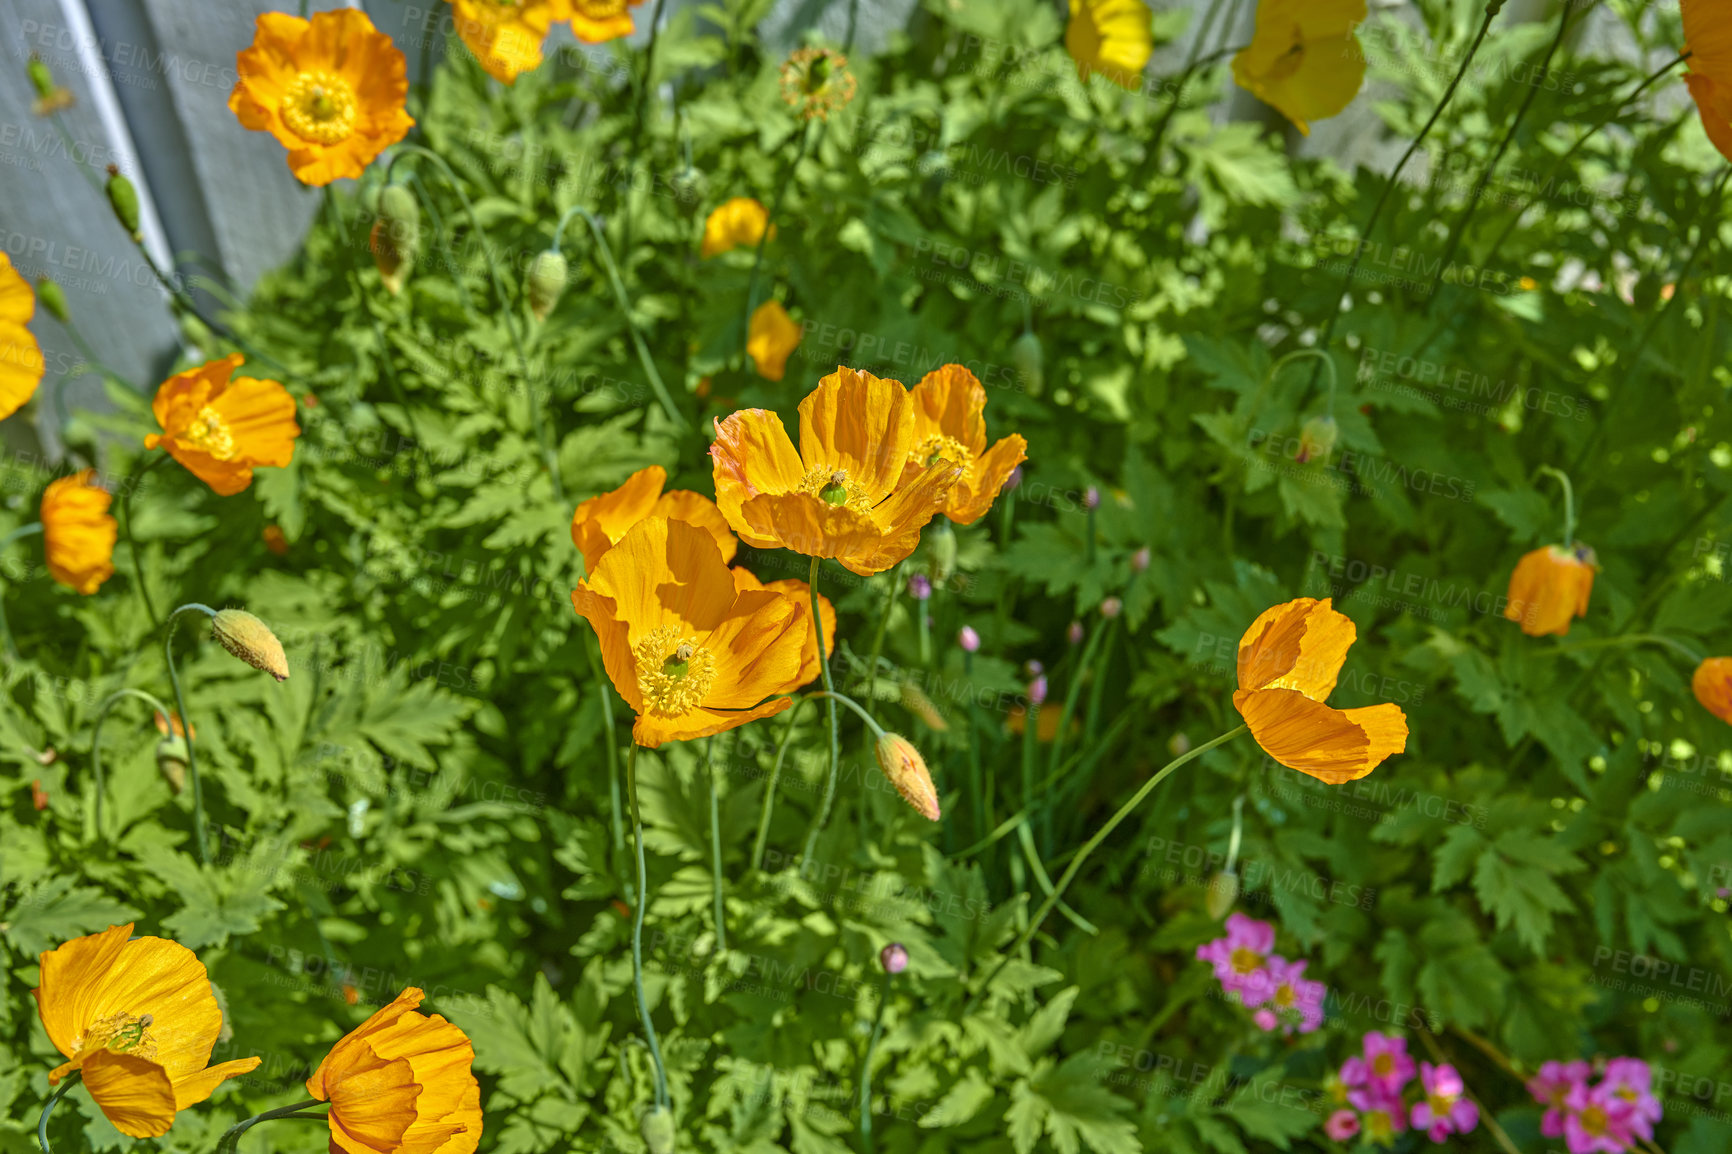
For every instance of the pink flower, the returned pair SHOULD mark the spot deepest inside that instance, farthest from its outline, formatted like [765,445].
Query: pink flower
[1266,1020]
[1597,1121]
[1240,955]
[1385,1066]
[1630,1080]
[1383,1114]
[1341,1125]
[1551,1087]
[1296,1002]
[1444,1111]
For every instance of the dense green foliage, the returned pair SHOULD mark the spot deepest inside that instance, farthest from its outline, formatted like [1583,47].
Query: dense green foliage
[426,801]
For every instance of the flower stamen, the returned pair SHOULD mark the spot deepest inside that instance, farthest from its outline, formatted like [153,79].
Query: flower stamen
[210,433]
[674,674]
[320,107]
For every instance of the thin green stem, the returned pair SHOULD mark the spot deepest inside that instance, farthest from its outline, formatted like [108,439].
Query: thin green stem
[48,1108]
[829,797]
[1074,691]
[231,1138]
[128,487]
[17,534]
[1076,863]
[102,713]
[883,625]
[866,1064]
[186,723]
[1569,539]
[1194,61]
[716,845]
[609,736]
[769,224]
[1630,639]
[1026,837]
[770,789]
[871,723]
[663,397]
[1328,363]
[640,905]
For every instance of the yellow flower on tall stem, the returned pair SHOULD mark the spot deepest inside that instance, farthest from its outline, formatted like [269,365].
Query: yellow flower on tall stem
[330,89]
[688,650]
[78,534]
[736,223]
[950,425]
[21,363]
[771,339]
[1289,661]
[1550,588]
[1708,40]
[401,1082]
[1303,59]
[506,35]
[221,429]
[601,521]
[845,493]
[1112,37]
[138,1020]
[595,21]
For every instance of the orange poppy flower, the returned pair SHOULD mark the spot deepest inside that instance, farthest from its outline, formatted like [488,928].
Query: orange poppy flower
[771,339]
[506,35]
[138,1020]
[1549,588]
[845,493]
[1712,685]
[737,223]
[800,594]
[78,534]
[950,425]
[330,89]
[21,363]
[601,521]
[1288,663]
[220,429]
[1708,40]
[595,21]
[690,652]
[401,1082]
[1304,60]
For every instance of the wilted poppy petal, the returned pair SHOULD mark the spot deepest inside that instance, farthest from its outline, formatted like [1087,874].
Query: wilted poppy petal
[1332,745]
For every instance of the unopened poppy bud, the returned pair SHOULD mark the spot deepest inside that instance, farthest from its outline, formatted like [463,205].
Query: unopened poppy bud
[396,236]
[1140,560]
[943,541]
[1223,892]
[545,283]
[1030,361]
[894,958]
[252,641]
[914,699]
[1075,633]
[1317,438]
[171,755]
[907,771]
[53,299]
[1037,690]
[919,587]
[123,198]
[968,639]
[657,1128]
[1112,607]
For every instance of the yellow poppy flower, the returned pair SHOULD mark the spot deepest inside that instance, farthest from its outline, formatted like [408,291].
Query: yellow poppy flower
[21,363]
[595,21]
[1303,59]
[506,35]
[601,521]
[401,1082]
[799,593]
[1712,685]
[1550,588]
[221,429]
[771,339]
[844,494]
[1112,37]
[689,651]
[330,89]
[737,223]
[950,425]
[1288,664]
[138,1020]
[77,532]
[1708,40]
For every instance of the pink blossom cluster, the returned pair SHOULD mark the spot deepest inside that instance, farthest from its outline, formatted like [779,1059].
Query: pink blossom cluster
[1374,1084]
[1246,964]
[1606,1118]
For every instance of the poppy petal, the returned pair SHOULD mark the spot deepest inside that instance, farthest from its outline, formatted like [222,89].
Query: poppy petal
[860,423]
[1332,745]
[133,1092]
[603,519]
[1300,645]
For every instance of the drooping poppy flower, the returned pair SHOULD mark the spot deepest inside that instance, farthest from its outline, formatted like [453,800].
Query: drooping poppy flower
[1708,40]
[138,1020]
[1712,685]
[950,425]
[21,363]
[401,1083]
[221,429]
[690,652]
[77,532]
[601,521]
[506,35]
[1303,59]
[800,594]
[1288,664]
[330,89]
[1112,37]
[596,21]
[737,223]
[1550,588]
[844,494]
[771,339]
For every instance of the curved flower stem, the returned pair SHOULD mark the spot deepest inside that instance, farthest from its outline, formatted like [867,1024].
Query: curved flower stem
[770,223]
[133,480]
[1569,501]
[663,397]
[830,706]
[770,790]
[716,846]
[1084,663]
[1327,361]
[227,1143]
[1045,882]
[871,723]
[543,429]
[1194,60]
[48,1108]
[186,724]
[883,625]
[17,534]
[640,903]
[1491,10]
[616,811]
[108,704]
[1088,848]
[1675,646]
[866,1064]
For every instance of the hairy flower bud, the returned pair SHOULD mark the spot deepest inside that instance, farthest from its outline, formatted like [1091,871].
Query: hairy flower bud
[657,1129]
[907,771]
[123,198]
[1223,892]
[1317,438]
[915,700]
[545,283]
[252,641]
